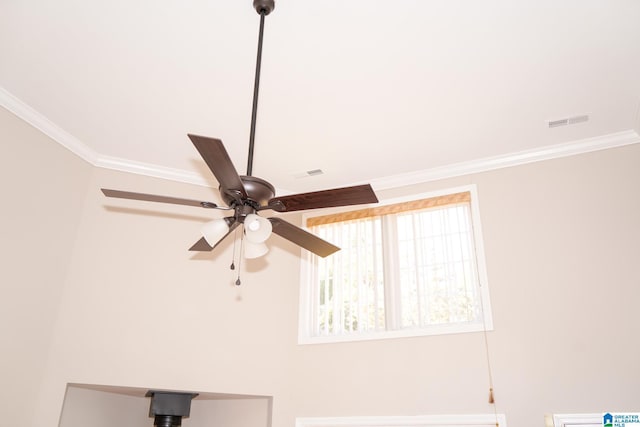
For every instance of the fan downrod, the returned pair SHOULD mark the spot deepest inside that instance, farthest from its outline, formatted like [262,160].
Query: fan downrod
[264,6]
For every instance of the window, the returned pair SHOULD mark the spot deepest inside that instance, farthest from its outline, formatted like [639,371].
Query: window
[574,420]
[407,267]
[480,420]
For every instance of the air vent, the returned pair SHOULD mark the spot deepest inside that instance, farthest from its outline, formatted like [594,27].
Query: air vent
[578,119]
[306,174]
[556,123]
[568,121]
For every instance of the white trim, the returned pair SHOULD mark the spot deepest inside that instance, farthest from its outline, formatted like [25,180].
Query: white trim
[399,333]
[479,420]
[148,169]
[576,420]
[46,126]
[306,310]
[637,125]
[40,122]
[486,164]
[62,137]
[306,315]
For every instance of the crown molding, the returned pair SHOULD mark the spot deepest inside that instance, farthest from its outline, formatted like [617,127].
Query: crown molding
[40,122]
[573,148]
[73,144]
[46,126]
[155,171]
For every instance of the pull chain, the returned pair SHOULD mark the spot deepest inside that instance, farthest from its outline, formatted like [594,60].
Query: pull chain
[238,282]
[233,256]
[492,400]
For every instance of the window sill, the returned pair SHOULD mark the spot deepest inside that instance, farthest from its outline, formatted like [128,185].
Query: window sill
[304,339]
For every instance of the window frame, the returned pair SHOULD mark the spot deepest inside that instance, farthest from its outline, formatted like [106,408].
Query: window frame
[473,420]
[573,420]
[307,312]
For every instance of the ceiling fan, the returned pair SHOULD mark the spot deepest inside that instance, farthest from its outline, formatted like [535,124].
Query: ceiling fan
[247,195]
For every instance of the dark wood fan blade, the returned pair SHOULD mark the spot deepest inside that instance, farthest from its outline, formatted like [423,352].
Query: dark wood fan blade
[202,245]
[153,198]
[346,196]
[216,157]
[302,238]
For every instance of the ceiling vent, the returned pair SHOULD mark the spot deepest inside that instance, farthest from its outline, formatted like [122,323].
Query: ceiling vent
[305,174]
[568,121]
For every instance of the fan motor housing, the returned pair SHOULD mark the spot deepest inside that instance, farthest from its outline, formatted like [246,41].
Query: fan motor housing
[259,192]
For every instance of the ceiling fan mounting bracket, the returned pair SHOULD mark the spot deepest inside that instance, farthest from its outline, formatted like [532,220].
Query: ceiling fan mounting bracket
[264,6]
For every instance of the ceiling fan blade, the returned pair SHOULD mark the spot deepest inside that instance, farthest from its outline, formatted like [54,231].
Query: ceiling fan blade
[202,245]
[346,196]
[216,157]
[153,198]
[302,238]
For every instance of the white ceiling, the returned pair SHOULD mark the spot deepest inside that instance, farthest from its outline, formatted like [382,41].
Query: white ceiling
[364,90]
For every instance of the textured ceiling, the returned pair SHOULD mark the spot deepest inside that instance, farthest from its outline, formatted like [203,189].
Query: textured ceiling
[363,90]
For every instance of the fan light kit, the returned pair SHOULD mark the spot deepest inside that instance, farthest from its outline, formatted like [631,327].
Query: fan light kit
[247,195]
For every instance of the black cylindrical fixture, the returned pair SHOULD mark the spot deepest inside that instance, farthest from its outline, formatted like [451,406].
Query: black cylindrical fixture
[169,407]
[167,421]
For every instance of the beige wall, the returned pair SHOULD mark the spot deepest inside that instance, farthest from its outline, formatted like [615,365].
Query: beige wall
[84,407]
[561,240]
[42,188]
[229,413]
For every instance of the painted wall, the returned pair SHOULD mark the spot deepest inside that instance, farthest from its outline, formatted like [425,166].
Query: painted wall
[561,240]
[229,413]
[140,310]
[84,407]
[42,188]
